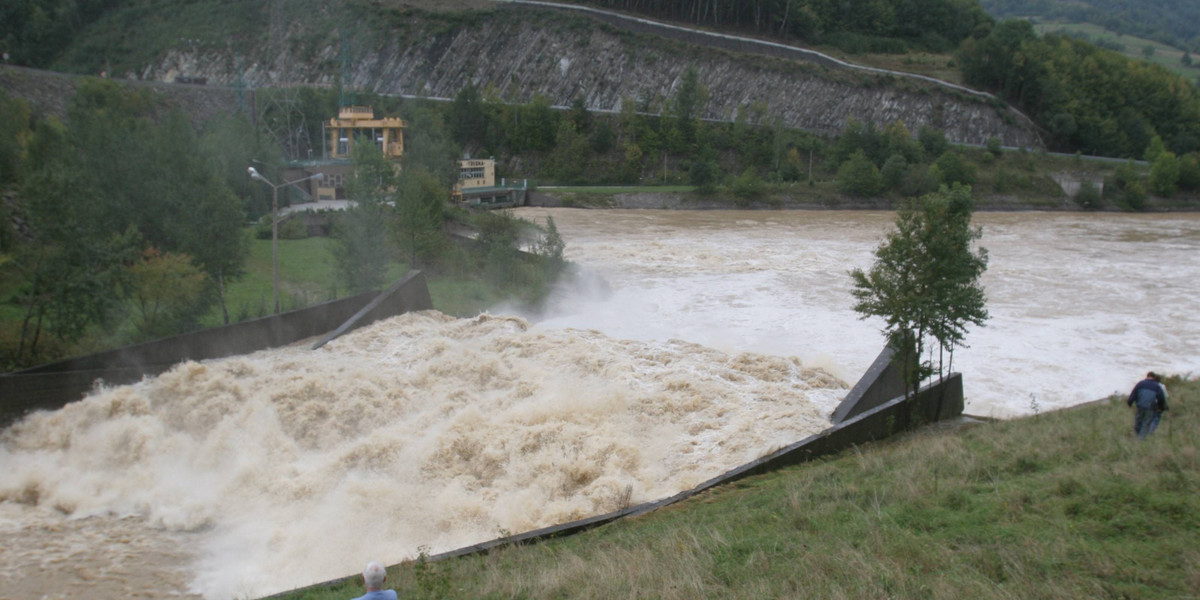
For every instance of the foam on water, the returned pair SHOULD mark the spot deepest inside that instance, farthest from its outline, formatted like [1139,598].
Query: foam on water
[1082,304]
[291,466]
[254,474]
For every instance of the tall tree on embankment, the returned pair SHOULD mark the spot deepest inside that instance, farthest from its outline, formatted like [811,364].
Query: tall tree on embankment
[925,282]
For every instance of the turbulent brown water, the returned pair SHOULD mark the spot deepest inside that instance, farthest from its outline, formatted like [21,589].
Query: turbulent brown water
[1082,304]
[694,351]
[250,475]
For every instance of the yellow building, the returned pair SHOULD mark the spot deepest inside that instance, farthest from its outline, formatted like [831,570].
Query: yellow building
[356,124]
[477,187]
[474,172]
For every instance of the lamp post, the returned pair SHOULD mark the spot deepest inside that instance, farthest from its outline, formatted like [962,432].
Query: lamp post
[254,174]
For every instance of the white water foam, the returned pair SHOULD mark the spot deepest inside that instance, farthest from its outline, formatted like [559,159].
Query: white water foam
[289,467]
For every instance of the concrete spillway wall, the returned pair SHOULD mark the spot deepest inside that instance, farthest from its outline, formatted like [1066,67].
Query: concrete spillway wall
[876,408]
[53,385]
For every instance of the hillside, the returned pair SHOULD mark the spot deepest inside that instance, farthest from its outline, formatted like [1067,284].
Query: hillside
[1173,22]
[514,53]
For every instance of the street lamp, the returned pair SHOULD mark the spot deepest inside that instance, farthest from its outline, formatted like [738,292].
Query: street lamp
[254,174]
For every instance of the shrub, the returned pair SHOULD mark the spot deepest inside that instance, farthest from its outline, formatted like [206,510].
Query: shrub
[859,177]
[748,186]
[933,140]
[993,146]
[893,172]
[1189,172]
[955,169]
[1164,174]
[293,229]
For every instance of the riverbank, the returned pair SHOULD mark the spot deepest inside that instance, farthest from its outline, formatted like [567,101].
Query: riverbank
[820,197]
[1064,504]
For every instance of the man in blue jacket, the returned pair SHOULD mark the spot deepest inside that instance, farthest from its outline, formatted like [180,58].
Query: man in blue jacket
[1151,402]
[373,577]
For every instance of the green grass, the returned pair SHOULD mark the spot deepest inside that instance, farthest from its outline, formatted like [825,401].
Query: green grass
[308,276]
[1059,505]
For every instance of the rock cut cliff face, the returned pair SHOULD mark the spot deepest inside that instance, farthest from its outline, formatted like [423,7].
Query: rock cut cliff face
[519,53]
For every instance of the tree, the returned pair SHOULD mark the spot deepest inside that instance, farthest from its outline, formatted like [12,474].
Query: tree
[1164,174]
[933,141]
[1189,172]
[925,282]
[893,172]
[551,248]
[705,172]
[580,116]
[1154,149]
[420,200]
[748,187]
[14,125]
[218,242]
[569,162]
[994,146]
[900,141]
[467,117]
[499,235]
[689,99]
[167,290]
[362,250]
[71,271]
[955,169]
[859,177]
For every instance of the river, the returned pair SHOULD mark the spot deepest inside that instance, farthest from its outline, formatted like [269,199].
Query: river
[1082,304]
[692,342]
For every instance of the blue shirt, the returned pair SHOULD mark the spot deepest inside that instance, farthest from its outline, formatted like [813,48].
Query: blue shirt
[378,595]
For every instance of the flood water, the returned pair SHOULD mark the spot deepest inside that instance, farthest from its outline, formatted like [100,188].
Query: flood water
[1082,305]
[698,341]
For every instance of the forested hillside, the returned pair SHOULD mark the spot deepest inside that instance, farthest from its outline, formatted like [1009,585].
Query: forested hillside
[1174,22]
[33,32]
[1091,100]
[1087,99]
[868,26]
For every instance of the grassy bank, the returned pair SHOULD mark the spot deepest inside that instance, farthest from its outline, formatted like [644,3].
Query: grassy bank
[1011,180]
[1059,505]
[307,276]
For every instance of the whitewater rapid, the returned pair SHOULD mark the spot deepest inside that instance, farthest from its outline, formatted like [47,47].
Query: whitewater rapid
[423,432]
[691,342]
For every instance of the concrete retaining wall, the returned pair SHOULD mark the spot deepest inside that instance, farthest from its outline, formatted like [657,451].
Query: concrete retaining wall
[882,382]
[409,294]
[937,401]
[53,385]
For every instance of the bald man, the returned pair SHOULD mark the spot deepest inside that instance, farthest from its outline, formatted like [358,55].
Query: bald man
[373,577]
